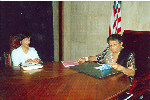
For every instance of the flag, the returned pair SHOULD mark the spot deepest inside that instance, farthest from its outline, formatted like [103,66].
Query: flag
[115,22]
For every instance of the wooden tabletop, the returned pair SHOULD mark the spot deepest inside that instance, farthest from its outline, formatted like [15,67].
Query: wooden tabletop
[54,82]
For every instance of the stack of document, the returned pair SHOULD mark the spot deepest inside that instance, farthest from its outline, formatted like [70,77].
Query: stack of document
[30,66]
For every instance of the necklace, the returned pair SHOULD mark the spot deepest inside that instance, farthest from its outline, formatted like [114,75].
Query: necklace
[112,56]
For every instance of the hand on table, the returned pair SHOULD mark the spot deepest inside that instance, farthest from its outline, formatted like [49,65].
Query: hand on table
[29,61]
[81,60]
[36,60]
[117,66]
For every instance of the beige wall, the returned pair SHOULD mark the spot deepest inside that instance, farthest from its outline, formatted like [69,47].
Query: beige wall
[85,25]
[85,28]
[135,15]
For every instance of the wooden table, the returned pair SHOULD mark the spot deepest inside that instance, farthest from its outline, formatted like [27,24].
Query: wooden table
[55,82]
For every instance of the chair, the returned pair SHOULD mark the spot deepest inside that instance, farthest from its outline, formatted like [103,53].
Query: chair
[8,61]
[14,44]
[137,41]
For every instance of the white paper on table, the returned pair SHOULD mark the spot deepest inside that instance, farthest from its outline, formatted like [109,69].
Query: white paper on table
[30,66]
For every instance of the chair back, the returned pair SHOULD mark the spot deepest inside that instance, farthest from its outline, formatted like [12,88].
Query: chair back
[14,43]
[138,42]
[8,60]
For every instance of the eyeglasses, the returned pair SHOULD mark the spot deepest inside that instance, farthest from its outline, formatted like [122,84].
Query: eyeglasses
[113,45]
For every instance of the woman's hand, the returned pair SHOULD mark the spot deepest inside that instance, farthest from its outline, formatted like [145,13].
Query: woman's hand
[128,71]
[36,60]
[81,60]
[29,61]
[117,66]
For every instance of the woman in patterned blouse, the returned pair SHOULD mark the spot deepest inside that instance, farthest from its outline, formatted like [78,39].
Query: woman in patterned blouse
[115,55]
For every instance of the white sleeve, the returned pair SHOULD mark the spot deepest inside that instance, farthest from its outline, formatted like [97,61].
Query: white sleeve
[15,59]
[35,54]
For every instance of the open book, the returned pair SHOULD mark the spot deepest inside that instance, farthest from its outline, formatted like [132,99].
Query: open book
[69,63]
[30,66]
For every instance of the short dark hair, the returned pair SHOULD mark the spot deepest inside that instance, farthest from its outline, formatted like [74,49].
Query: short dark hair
[115,37]
[22,35]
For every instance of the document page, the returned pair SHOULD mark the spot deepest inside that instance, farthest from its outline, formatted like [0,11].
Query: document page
[30,66]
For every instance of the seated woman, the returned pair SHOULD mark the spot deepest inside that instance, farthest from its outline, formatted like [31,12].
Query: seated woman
[24,53]
[116,56]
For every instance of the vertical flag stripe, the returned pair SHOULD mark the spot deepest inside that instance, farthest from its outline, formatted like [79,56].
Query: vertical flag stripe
[109,30]
[115,22]
[119,29]
[119,19]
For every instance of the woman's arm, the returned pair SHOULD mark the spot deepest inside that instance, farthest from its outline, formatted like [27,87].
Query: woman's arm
[91,58]
[99,57]
[130,71]
[35,56]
